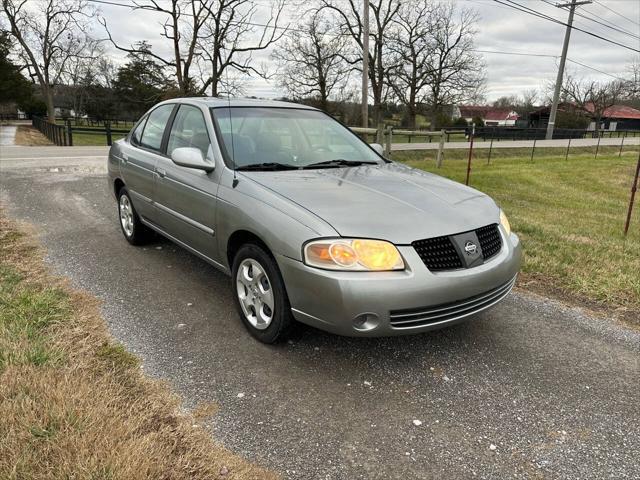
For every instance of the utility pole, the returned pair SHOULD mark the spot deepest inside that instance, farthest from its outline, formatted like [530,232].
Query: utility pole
[365,63]
[567,35]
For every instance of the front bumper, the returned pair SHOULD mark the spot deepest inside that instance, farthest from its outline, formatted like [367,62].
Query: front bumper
[373,304]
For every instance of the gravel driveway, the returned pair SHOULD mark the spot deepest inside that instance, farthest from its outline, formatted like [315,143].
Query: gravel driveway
[528,390]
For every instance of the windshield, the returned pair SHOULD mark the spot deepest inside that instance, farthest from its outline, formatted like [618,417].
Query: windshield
[285,138]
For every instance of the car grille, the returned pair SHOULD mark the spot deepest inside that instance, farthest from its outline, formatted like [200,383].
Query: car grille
[445,312]
[490,240]
[439,254]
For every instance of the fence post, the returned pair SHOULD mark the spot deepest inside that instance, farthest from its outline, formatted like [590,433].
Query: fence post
[107,126]
[69,133]
[440,149]
[598,145]
[621,144]
[533,149]
[379,133]
[490,149]
[566,155]
[388,140]
[634,187]
[473,131]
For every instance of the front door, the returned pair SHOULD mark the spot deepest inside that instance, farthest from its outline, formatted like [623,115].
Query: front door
[186,198]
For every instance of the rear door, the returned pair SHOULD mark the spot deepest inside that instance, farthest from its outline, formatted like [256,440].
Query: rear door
[139,158]
[186,198]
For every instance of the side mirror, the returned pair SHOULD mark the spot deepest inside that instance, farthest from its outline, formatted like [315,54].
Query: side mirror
[378,148]
[191,158]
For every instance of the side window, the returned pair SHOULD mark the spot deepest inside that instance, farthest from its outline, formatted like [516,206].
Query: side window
[189,130]
[154,127]
[137,133]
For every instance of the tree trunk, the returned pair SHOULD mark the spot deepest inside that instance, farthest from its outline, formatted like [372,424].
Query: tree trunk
[51,111]
[433,119]
[411,117]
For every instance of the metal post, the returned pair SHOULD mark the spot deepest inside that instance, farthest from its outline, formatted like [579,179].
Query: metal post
[490,149]
[440,149]
[473,131]
[365,63]
[566,155]
[107,126]
[621,144]
[598,145]
[634,187]
[563,60]
[533,149]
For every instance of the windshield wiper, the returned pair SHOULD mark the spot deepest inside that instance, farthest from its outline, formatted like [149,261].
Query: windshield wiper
[268,166]
[339,162]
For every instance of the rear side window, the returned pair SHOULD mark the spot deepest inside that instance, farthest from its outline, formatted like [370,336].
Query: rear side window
[137,133]
[154,127]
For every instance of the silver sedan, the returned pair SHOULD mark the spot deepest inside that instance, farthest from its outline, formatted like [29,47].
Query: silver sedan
[311,223]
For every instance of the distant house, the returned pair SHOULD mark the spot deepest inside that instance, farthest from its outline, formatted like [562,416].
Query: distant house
[618,117]
[491,116]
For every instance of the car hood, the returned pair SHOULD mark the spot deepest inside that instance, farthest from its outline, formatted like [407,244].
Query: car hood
[391,201]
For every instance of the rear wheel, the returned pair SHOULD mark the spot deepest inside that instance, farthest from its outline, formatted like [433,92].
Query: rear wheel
[133,229]
[260,294]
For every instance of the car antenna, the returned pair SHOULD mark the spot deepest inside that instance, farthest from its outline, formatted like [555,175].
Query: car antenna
[234,184]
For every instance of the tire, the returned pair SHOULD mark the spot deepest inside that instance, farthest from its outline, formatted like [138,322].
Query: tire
[267,316]
[132,228]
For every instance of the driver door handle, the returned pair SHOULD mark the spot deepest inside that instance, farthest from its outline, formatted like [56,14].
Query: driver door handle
[161,172]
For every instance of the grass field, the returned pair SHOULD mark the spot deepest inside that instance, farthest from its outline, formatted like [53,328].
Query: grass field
[82,139]
[570,216]
[75,404]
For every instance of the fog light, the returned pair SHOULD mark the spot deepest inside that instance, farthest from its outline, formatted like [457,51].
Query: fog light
[366,321]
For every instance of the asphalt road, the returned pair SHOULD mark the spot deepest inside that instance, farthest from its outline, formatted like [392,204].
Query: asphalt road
[529,390]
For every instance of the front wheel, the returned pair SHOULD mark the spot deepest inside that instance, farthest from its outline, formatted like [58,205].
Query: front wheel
[260,294]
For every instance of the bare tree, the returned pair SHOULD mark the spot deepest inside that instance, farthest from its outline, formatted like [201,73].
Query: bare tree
[634,80]
[81,73]
[310,62]
[348,16]
[50,34]
[457,72]
[412,47]
[183,25]
[593,97]
[230,36]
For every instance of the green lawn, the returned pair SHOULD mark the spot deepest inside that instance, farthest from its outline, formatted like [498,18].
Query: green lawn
[569,214]
[90,139]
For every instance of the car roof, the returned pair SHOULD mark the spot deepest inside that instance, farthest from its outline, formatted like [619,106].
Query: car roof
[213,102]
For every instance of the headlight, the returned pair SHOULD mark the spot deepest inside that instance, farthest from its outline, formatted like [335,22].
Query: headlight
[505,223]
[353,254]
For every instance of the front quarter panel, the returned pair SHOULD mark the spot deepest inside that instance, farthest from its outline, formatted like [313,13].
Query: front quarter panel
[282,225]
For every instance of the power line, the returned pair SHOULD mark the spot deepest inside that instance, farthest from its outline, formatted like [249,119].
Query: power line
[619,14]
[603,23]
[535,13]
[595,69]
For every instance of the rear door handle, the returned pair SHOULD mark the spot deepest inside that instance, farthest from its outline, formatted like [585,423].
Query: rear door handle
[161,172]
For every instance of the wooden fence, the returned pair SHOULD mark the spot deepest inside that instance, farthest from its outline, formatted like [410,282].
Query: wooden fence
[62,135]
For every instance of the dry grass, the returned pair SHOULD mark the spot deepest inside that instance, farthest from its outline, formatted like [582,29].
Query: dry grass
[74,404]
[28,136]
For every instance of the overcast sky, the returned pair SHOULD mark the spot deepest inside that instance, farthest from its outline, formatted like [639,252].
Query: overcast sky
[500,29]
